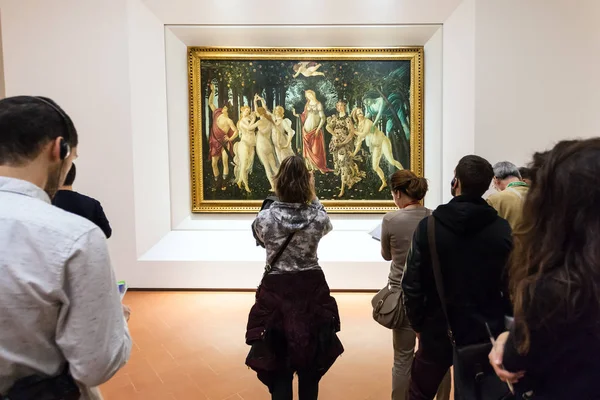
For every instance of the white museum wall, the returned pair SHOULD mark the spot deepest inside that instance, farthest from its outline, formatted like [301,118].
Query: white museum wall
[459,91]
[77,53]
[102,62]
[433,118]
[536,75]
[178,117]
[147,77]
[309,12]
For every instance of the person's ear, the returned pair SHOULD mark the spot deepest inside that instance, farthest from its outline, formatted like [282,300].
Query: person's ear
[55,149]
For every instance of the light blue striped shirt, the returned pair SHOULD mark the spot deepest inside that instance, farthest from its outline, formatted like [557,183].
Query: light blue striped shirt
[59,300]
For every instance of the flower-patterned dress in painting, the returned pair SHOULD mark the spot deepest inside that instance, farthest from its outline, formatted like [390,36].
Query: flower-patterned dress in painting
[345,163]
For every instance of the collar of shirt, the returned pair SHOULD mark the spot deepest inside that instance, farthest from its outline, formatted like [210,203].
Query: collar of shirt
[25,188]
[516,184]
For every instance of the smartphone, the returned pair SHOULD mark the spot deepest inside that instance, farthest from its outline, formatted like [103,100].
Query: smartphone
[122,288]
[493,341]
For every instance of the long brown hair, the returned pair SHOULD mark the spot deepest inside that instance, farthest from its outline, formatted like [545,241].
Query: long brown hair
[293,181]
[555,265]
[410,184]
[263,113]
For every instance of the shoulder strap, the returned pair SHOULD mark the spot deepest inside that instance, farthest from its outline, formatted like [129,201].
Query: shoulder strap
[276,257]
[437,271]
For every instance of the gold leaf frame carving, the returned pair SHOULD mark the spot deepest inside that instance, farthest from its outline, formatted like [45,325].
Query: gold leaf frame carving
[197,54]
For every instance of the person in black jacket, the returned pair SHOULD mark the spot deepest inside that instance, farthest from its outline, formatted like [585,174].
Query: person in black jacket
[77,203]
[473,244]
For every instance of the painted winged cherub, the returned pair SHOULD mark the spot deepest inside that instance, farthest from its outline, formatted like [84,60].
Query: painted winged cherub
[307,68]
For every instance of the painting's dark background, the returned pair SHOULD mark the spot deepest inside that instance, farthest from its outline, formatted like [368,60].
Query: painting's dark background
[238,81]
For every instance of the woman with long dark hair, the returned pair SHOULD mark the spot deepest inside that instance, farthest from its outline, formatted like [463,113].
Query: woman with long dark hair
[293,324]
[554,345]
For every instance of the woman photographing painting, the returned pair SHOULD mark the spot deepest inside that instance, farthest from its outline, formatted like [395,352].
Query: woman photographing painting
[293,323]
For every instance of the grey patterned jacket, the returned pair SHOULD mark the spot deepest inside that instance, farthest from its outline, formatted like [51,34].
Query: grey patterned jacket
[273,226]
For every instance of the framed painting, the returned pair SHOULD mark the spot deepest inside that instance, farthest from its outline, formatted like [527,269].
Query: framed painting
[355,115]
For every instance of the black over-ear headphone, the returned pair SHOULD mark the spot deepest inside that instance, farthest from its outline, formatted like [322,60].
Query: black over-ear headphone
[65,149]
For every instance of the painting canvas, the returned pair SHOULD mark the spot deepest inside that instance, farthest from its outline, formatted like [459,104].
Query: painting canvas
[354,115]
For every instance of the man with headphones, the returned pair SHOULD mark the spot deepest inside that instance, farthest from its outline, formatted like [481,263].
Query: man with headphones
[64,329]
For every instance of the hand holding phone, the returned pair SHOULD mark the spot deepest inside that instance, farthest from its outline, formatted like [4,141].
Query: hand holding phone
[496,356]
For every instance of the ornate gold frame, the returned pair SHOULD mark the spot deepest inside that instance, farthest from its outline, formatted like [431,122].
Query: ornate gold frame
[196,54]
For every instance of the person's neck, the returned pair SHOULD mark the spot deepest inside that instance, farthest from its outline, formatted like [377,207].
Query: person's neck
[34,172]
[70,188]
[510,180]
[409,205]
[342,114]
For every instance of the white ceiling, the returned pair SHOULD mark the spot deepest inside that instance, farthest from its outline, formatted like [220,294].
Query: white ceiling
[313,36]
[305,12]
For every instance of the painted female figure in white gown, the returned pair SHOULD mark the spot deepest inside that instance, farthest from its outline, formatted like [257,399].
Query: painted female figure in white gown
[377,142]
[244,150]
[282,135]
[282,130]
[264,146]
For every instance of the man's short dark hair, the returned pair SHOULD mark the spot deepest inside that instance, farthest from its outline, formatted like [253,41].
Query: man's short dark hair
[71,176]
[525,173]
[475,174]
[27,124]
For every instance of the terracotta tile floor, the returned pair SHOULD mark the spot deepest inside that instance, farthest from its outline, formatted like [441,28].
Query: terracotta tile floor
[190,345]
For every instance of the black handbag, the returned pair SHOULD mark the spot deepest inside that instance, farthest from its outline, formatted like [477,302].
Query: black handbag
[474,377]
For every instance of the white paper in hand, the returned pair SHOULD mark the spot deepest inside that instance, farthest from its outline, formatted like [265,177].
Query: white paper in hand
[376,233]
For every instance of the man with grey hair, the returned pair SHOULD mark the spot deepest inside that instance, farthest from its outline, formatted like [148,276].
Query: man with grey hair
[511,192]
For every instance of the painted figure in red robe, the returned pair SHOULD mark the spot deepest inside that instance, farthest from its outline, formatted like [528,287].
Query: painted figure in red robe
[222,134]
[313,119]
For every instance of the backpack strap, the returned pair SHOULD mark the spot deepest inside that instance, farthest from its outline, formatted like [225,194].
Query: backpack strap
[437,271]
[269,266]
